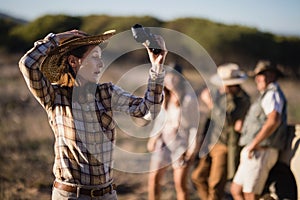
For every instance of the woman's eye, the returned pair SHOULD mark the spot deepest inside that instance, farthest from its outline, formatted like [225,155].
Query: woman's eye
[96,55]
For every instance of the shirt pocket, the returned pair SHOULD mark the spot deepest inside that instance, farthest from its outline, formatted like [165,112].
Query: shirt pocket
[105,118]
[106,121]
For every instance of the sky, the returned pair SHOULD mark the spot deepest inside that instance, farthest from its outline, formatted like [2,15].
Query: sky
[275,16]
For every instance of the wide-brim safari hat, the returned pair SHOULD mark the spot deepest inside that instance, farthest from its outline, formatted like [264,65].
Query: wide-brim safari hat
[228,74]
[51,65]
[265,65]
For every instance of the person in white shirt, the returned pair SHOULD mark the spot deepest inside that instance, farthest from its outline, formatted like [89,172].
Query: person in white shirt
[263,134]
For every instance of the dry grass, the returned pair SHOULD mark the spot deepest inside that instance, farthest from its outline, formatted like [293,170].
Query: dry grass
[26,142]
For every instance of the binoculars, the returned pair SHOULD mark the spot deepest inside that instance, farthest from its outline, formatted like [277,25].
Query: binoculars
[141,35]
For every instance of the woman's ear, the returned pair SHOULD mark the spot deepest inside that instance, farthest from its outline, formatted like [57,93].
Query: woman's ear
[73,62]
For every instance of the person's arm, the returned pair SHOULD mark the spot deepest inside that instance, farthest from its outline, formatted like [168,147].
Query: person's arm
[151,103]
[157,60]
[239,114]
[206,98]
[29,65]
[156,131]
[272,105]
[139,107]
[193,116]
[272,123]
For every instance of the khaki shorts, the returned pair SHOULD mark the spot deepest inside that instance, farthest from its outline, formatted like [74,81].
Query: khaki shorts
[252,174]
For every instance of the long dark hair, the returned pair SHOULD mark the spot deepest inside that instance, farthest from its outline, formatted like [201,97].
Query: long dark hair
[180,91]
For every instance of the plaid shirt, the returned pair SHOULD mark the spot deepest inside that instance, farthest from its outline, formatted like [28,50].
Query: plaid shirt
[82,118]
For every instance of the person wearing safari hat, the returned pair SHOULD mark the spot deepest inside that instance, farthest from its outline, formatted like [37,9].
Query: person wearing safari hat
[210,174]
[62,71]
[172,142]
[263,133]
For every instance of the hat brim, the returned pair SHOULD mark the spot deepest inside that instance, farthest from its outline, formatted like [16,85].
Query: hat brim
[216,80]
[49,65]
[275,70]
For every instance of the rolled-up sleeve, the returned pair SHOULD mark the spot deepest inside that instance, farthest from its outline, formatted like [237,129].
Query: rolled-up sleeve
[138,106]
[29,66]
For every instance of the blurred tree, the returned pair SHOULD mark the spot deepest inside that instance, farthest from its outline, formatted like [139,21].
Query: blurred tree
[6,25]
[41,27]
[95,24]
[224,43]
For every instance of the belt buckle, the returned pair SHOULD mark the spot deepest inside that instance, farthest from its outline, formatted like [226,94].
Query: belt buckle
[92,193]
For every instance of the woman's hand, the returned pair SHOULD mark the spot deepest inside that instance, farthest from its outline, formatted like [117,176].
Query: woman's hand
[251,149]
[157,60]
[206,98]
[151,144]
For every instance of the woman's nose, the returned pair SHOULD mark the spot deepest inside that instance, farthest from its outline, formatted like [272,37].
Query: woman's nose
[100,63]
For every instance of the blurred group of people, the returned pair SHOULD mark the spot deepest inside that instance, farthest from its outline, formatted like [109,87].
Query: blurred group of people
[239,144]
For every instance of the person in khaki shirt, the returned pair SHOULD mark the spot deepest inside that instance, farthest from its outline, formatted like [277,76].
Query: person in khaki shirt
[210,175]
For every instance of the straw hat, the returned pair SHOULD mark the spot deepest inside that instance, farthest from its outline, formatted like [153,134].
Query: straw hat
[228,74]
[265,65]
[51,65]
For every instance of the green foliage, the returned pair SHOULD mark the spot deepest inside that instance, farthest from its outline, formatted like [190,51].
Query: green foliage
[235,43]
[5,26]
[214,37]
[95,24]
[41,27]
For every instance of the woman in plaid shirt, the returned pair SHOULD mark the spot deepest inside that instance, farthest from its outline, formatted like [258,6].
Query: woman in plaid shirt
[62,72]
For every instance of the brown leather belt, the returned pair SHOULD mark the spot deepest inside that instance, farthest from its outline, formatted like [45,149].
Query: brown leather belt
[84,191]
